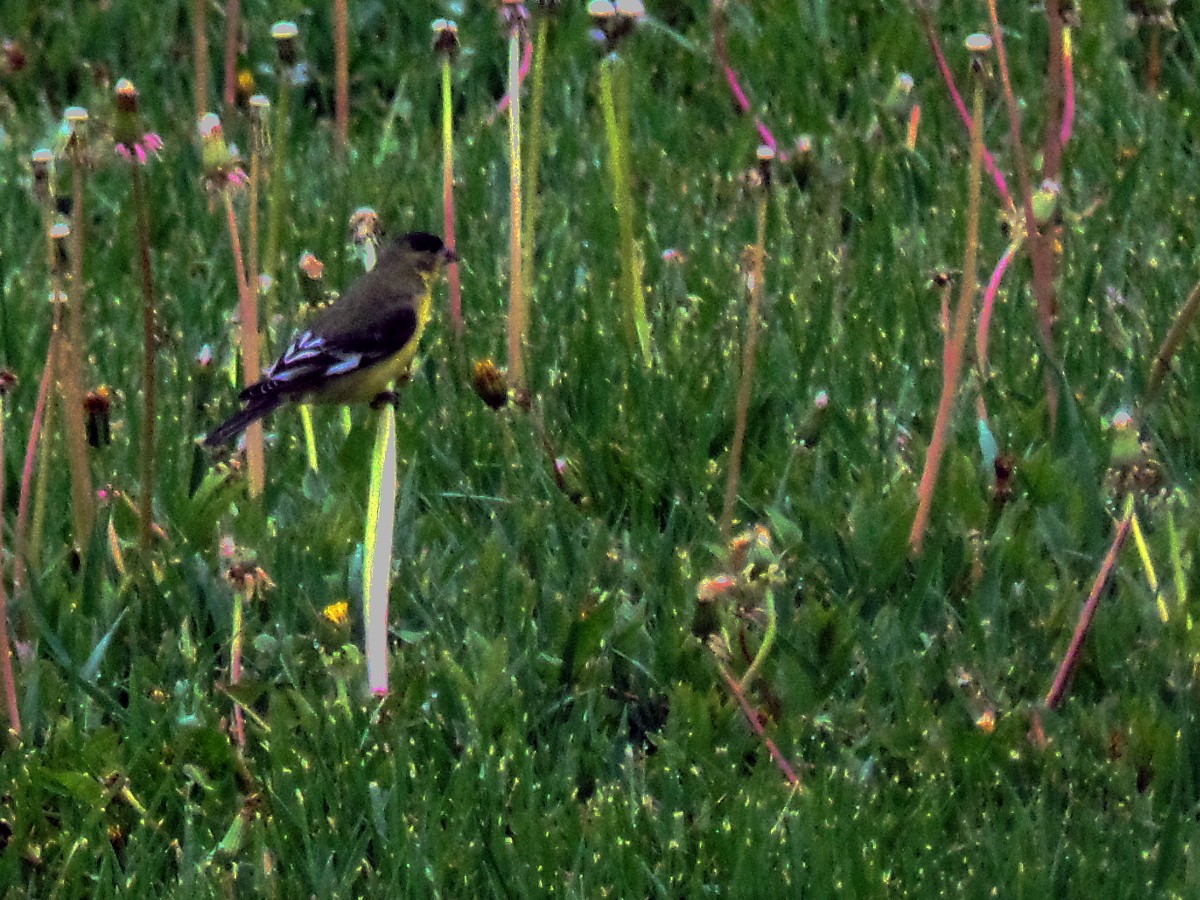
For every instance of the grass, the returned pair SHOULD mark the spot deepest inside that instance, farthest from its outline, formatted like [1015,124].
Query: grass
[555,723]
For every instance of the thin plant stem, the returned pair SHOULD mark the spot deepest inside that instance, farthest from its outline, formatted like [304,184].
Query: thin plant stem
[74,357]
[41,490]
[1154,59]
[731,76]
[749,352]
[1062,677]
[955,345]
[341,69]
[377,549]
[277,192]
[6,666]
[233,27]
[235,663]
[1161,364]
[1055,91]
[636,325]
[200,55]
[149,359]
[768,641]
[1068,117]
[983,327]
[935,45]
[36,435]
[518,306]
[251,368]
[533,155]
[456,313]
[756,724]
[522,72]
[1037,243]
[310,438]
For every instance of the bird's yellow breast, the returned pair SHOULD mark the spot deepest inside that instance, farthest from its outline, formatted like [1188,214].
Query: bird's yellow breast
[366,384]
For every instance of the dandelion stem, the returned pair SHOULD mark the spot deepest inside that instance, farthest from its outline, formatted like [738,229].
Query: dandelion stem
[745,385]
[233,25]
[953,356]
[235,663]
[1037,244]
[1171,343]
[456,314]
[200,55]
[377,549]
[6,665]
[534,152]
[341,65]
[149,359]
[36,434]
[636,325]
[251,368]
[518,307]
[74,359]
[1070,662]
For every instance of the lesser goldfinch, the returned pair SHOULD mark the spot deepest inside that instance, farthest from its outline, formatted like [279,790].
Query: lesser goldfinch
[357,346]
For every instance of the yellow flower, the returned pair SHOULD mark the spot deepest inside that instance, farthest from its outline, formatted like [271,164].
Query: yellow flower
[337,613]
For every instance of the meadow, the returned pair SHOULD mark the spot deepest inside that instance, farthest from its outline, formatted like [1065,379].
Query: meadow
[606,679]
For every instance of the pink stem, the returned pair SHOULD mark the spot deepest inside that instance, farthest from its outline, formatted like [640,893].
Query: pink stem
[752,717]
[35,432]
[6,667]
[743,103]
[1068,122]
[989,300]
[944,67]
[506,100]
[1059,690]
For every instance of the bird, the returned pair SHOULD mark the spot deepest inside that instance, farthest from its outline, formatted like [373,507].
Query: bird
[355,347]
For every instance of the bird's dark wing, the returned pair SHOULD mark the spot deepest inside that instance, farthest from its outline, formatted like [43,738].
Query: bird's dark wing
[312,358]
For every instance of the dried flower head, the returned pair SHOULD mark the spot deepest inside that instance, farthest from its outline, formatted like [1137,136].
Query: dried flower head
[14,59]
[97,407]
[133,143]
[445,37]
[490,383]
[41,163]
[219,159]
[285,34]
[8,381]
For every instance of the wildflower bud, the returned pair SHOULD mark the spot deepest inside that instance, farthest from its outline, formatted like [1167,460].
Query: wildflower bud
[490,384]
[899,97]
[8,381]
[204,359]
[445,37]
[41,162]
[97,406]
[285,34]
[813,426]
[260,105]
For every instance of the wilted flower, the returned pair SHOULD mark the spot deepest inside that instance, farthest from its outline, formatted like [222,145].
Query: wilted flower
[97,406]
[133,143]
[490,383]
[219,159]
[445,37]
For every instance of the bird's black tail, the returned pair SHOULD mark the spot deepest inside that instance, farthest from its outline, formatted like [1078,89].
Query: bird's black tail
[237,423]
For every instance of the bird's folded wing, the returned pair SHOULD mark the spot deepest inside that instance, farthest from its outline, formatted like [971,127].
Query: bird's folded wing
[312,359]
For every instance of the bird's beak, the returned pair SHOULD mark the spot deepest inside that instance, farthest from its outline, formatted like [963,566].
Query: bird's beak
[449,255]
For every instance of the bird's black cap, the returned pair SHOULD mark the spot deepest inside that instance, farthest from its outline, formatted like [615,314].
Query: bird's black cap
[422,242]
